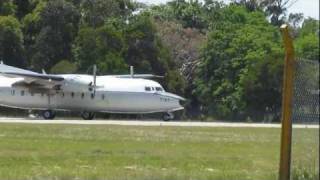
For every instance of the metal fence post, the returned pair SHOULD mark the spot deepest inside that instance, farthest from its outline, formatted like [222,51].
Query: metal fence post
[287,94]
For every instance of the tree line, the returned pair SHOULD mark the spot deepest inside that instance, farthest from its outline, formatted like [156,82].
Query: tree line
[226,59]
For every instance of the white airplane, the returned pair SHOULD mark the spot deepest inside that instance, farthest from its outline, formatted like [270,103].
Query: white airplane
[125,94]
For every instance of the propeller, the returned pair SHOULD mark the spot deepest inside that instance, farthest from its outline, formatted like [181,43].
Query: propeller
[131,72]
[94,78]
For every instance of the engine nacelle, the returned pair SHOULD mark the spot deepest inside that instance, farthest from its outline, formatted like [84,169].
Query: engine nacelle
[77,84]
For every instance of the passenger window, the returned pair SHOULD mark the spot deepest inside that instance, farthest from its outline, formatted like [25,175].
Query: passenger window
[22,93]
[147,88]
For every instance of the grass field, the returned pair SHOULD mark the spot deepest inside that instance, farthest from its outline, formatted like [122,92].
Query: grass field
[140,153]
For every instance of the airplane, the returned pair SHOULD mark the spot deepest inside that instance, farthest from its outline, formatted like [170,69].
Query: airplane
[88,94]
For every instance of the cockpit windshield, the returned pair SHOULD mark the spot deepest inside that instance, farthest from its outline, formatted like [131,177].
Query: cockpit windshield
[159,89]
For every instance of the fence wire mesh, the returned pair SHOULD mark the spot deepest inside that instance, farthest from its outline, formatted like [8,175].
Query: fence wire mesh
[305,141]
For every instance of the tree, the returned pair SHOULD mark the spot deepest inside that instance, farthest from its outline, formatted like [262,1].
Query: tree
[95,12]
[239,75]
[64,67]
[189,14]
[184,45]
[309,26]
[103,46]
[147,53]
[23,7]
[276,10]
[143,46]
[7,7]
[251,5]
[182,27]
[295,19]
[85,48]
[31,27]
[59,25]
[307,43]
[11,39]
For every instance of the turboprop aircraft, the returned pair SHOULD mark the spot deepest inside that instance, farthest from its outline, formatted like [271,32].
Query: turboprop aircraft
[88,94]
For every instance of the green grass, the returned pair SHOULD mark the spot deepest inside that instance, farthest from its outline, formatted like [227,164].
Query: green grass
[139,153]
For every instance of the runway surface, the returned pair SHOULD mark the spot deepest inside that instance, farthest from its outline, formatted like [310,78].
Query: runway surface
[147,123]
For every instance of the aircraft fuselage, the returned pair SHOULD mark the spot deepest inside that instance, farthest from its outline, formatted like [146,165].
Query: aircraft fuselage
[112,95]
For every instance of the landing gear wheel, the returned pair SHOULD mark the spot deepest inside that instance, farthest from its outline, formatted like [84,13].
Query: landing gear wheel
[168,116]
[48,114]
[87,115]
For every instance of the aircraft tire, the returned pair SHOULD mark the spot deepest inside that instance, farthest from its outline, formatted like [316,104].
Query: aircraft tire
[168,116]
[48,114]
[87,115]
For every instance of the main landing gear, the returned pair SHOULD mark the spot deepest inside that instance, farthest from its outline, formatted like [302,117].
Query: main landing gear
[168,116]
[87,115]
[48,114]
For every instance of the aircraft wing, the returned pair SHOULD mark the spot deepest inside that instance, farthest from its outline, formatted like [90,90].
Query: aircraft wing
[29,78]
[34,77]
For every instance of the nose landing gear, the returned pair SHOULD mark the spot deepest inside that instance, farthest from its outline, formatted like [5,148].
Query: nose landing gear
[168,116]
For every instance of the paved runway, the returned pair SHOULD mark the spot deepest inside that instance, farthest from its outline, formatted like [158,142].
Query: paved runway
[147,123]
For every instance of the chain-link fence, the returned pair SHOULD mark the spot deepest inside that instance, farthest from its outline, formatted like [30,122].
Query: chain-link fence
[305,140]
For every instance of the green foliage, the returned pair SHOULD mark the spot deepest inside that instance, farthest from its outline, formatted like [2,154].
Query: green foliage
[23,7]
[95,12]
[31,26]
[103,46]
[308,47]
[85,48]
[64,67]
[147,53]
[11,39]
[189,13]
[307,44]
[59,25]
[309,26]
[240,71]
[144,47]
[7,7]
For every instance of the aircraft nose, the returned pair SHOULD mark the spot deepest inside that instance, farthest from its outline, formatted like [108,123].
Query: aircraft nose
[175,96]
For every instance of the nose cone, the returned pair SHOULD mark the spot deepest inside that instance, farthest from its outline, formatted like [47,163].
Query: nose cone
[171,95]
[171,102]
